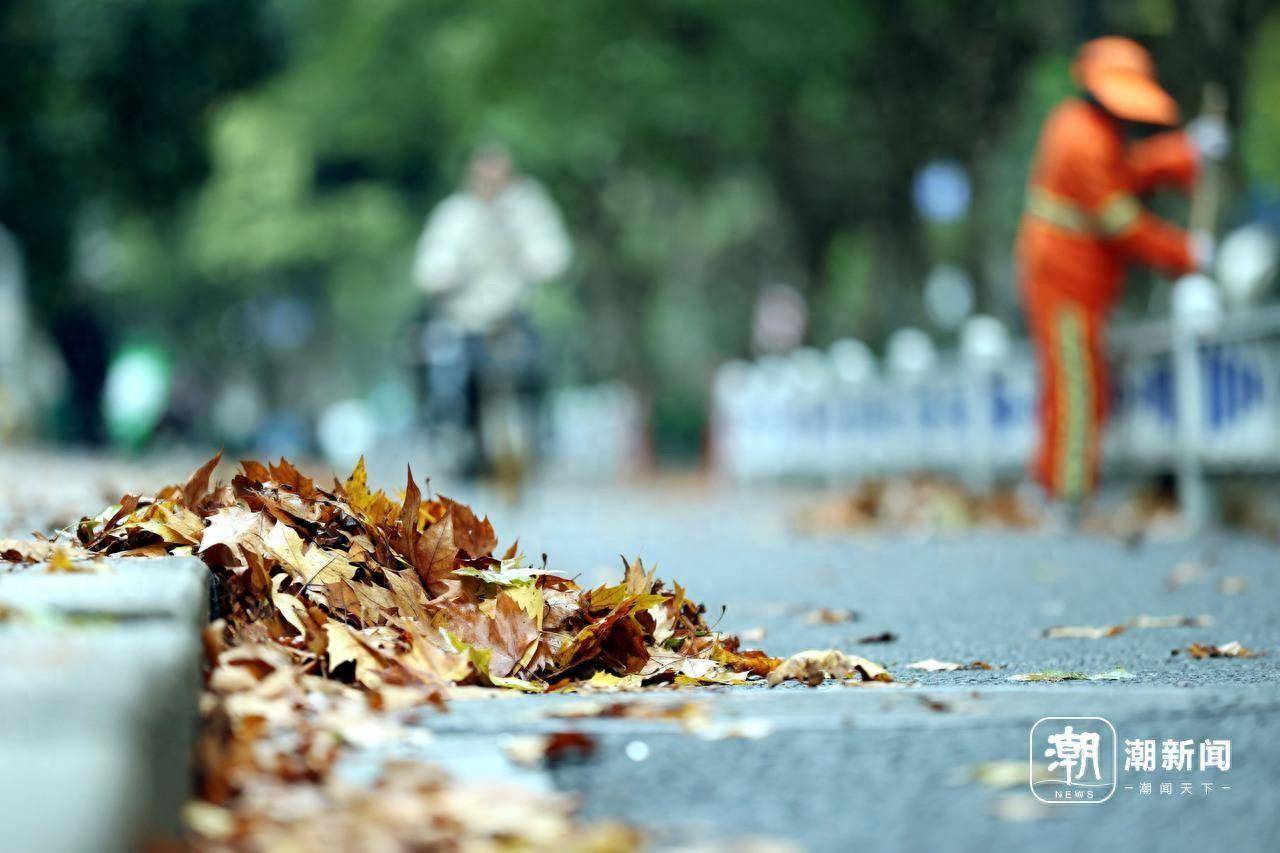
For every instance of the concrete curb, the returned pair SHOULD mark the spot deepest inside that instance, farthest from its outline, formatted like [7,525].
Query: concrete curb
[99,687]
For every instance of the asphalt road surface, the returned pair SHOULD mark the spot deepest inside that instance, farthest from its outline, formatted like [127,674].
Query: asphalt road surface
[902,767]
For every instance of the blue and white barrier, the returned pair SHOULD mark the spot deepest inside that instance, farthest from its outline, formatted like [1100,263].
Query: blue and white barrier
[797,418]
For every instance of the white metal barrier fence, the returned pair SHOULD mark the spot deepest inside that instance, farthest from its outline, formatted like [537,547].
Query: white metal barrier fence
[1186,399]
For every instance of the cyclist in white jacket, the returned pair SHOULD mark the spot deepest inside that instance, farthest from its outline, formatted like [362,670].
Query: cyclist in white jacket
[486,247]
[481,255]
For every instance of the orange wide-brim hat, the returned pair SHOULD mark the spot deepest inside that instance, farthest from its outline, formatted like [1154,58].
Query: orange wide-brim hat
[1120,74]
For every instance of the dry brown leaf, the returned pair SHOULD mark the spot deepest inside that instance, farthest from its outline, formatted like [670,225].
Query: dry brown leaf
[197,485]
[1082,632]
[236,529]
[21,551]
[1144,621]
[472,535]
[815,666]
[346,644]
[1226,650]
[308,565]
[1233,585]
[829,616]
[435,555]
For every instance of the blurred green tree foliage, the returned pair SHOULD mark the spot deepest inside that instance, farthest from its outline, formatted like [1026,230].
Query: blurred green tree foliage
[228,152]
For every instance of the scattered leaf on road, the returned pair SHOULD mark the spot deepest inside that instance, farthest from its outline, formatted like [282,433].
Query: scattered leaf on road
[1184,573]
[1082,632]
[551,748]
[1055,675]
[1233,649]
[829,616]
[1233,585]
[1050,675]
[931,665]
[815,666]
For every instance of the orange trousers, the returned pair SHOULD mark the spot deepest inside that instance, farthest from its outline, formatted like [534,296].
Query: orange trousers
[1069,338]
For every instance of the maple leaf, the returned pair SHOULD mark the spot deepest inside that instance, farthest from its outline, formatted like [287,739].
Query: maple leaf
[167,521]
[356,487]
[183,524]
[197,485]
[530,600]
[285,475]
[610,597]
[255,472]
[427,659]
[510,635]
[347,644]
[636,581]
[586,644]
[407,594]
[753,661]
[409,516]
[235,529]
[473,536]
[312,565]
[434,555]
[369,507]
[291,608]
[372,603]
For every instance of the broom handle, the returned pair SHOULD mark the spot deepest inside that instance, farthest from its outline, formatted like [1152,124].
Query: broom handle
[1207,192]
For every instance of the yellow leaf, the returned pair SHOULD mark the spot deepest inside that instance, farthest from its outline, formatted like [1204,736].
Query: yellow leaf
[608,681]
[530,600]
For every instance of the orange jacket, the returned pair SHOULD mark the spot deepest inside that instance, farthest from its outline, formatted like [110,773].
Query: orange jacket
[1084,223]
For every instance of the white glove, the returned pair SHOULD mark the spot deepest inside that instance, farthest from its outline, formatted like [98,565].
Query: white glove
[1203,249]
[1211,136]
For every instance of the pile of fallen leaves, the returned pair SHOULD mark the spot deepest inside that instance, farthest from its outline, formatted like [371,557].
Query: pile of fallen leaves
[923,502]
[338,608]
[391,593]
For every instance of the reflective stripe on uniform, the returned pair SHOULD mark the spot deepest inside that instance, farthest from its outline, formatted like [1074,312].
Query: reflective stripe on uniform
[1075,389]
[1057,210]
[1118,213]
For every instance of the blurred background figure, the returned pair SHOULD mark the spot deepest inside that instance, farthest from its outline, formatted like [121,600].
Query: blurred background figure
[483,251]
[32,377]
[1084,225]
[780,320]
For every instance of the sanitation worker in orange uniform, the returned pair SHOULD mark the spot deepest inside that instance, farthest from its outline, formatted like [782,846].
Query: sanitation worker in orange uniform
[1084,224]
